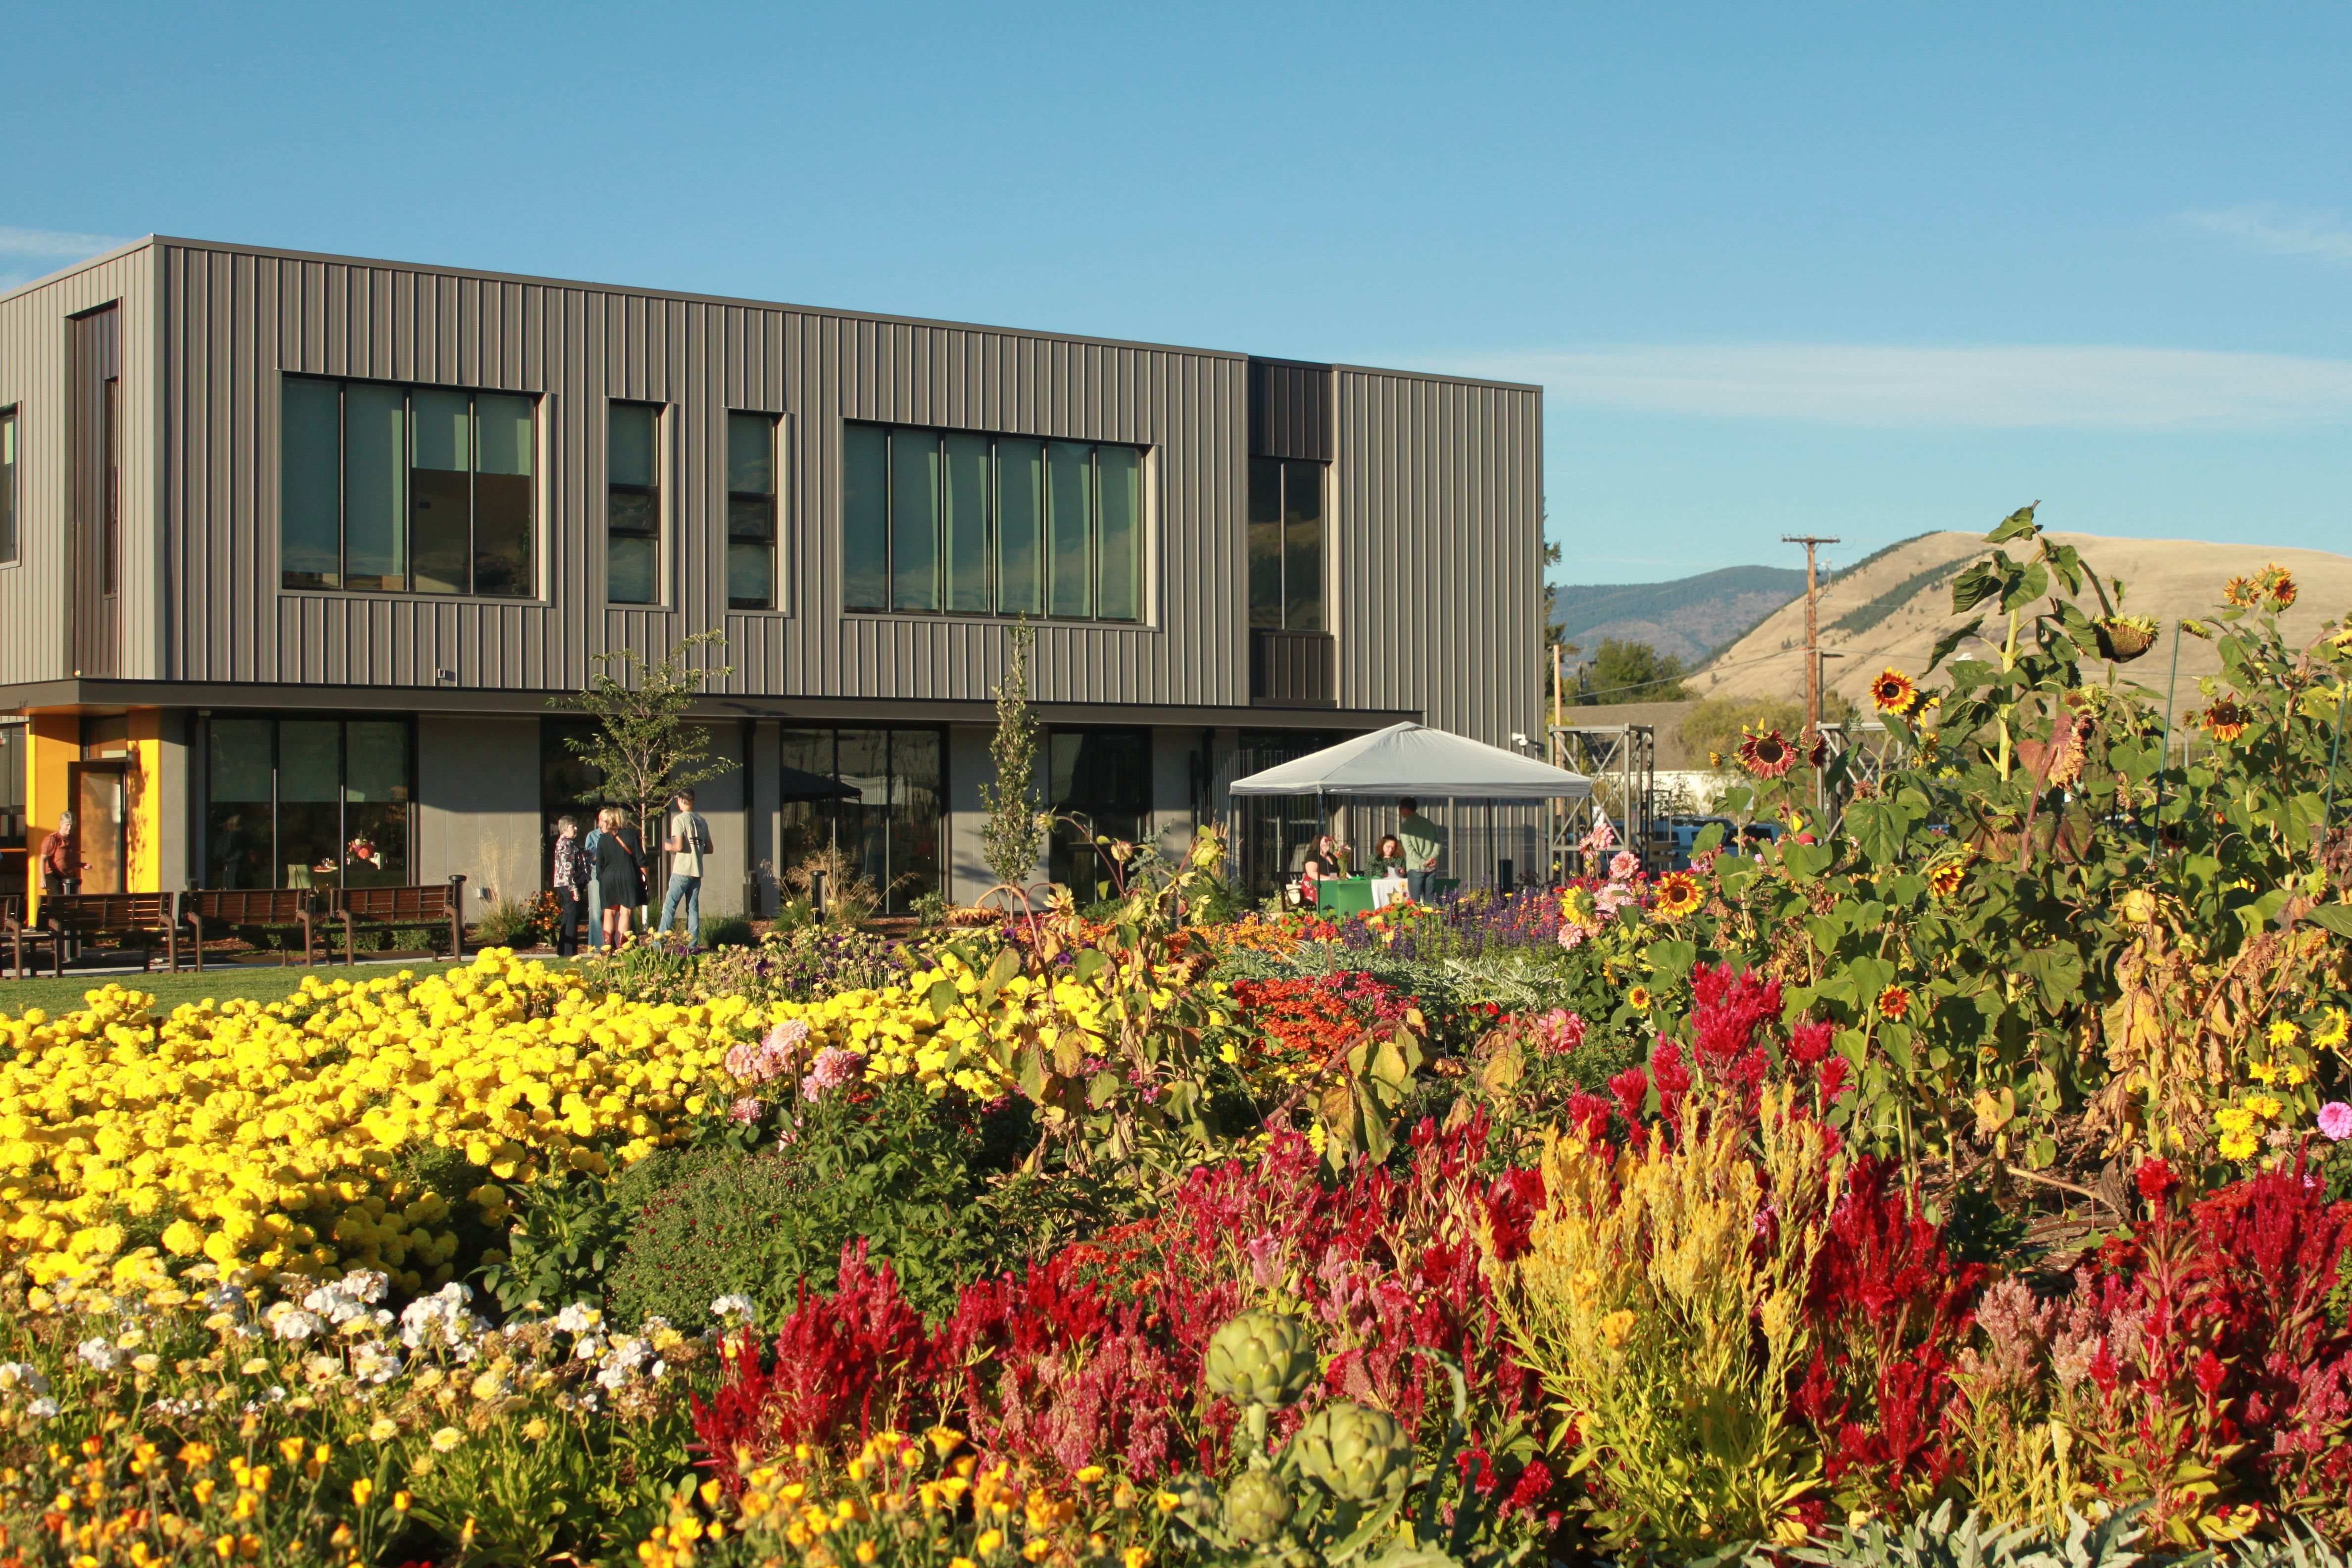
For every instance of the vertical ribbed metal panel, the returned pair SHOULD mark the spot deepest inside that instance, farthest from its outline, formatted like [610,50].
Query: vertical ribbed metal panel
[34,339]
[1438,531]
[1436,493]
[1290,410]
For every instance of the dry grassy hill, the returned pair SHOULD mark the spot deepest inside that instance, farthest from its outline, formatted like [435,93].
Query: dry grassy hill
[1891,610]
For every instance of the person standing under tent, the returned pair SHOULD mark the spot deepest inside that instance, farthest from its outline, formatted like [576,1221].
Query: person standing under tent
[1424,847]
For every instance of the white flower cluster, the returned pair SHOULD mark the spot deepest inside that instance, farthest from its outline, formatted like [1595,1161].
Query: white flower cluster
[100,1353]
[736,1308]
[443,1322]
[350,1303]
[292,1323]
[18,1378]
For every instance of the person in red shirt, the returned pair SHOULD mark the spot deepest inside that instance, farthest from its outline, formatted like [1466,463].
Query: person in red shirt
[61,858]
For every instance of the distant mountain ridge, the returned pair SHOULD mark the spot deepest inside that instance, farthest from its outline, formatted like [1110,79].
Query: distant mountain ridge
[1689,617]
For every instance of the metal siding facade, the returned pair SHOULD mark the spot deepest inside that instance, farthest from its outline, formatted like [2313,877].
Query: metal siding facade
[1437,523]
[1436,505]
[34,347]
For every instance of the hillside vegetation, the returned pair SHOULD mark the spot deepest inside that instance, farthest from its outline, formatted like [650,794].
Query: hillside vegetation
[1890,608]
[1689,617]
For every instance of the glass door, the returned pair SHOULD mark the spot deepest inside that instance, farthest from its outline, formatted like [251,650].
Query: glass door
[102,822]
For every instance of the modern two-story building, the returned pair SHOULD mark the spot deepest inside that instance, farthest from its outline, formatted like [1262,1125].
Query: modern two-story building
[294,550]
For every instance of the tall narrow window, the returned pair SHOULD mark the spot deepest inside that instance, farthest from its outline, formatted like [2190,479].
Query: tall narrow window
[310,531]
[914,520]
[407,489]
[1119,475]
[633,504]
[969,578]
[441,491]
[110,540]
[1286,544]
[1020,528]
[1302,546]
[7,486]
[751,511]
[991,525]
[505,493]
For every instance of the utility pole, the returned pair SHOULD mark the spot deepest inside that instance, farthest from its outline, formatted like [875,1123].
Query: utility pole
[1812,734]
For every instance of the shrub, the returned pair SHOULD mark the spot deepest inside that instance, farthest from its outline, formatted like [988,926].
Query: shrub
[888,1167]
[506,924]
[728,931]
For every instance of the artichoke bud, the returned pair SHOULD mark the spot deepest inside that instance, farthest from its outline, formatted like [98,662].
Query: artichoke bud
[1356,1454]
[1262,1358]
[1257,1506]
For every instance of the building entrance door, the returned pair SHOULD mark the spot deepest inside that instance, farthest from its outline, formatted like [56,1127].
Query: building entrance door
[102,797]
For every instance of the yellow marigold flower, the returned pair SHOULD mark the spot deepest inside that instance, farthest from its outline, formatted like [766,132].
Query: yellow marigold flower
[2238,1146]
[1135,1557]
[2265,1105]
[2282,1033]
[2234,1119]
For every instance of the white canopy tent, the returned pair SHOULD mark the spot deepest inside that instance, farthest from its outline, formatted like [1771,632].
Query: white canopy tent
[1415,760]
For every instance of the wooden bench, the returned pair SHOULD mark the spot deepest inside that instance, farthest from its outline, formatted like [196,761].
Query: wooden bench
[77,918]
[429,904]
[13,926]
[223,909]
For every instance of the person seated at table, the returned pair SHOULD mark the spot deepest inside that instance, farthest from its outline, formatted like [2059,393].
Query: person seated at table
[1322,860]
[1388,858]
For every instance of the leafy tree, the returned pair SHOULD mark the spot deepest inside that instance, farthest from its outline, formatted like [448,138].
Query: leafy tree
[643,748]
[1632,672]
[1015,834]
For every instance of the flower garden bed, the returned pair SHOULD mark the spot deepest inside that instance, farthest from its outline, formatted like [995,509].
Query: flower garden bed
[1969,1183]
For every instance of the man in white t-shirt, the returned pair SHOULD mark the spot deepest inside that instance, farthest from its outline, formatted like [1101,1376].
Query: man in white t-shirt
[688,842]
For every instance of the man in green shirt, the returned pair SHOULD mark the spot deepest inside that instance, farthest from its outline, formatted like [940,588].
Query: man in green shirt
[1424,845]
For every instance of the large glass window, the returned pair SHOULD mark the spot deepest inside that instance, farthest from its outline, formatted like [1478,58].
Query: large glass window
[407,489]
[1286,544]
[876,797]
[7,486]
[633,503]
[1102,779]
[751,511]
[306,803]
[991,525]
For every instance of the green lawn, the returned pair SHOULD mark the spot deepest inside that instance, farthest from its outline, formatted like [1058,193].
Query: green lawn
[262,983]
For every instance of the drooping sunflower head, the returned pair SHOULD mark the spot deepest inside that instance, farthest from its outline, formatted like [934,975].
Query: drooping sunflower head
[1895,1002]
[2225,720]
[1893,691]
[1677,895]
[2279,583]
[1767,753]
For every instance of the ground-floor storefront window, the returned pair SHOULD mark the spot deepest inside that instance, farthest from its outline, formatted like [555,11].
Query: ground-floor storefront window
[1100,782]
[307,803]
[876,797]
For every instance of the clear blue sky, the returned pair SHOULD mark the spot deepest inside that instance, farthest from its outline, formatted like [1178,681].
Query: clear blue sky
[1865,270]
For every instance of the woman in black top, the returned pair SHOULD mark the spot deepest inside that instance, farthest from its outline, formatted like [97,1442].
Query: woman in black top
[620,884]
[1322,860]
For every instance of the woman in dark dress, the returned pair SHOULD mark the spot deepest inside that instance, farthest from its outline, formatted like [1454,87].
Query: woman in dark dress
[619,880]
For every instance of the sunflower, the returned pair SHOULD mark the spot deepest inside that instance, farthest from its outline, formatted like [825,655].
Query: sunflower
[2280,581]
[2334,1031]
[2239,592]
[1893,691]
[1767,754]
[1677,895]
[1895,1002]
[1944,880]
[1638,998]
[2225,720]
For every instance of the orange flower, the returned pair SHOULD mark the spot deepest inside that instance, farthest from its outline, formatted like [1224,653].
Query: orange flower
[1893,691]
[1944,880]
[1638,998]
[1895,1002]
[2225,720]
[1768,755]
[1677,895]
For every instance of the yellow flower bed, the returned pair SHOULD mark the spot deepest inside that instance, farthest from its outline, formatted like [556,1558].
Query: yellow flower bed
[271,1135]
[894,1030]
